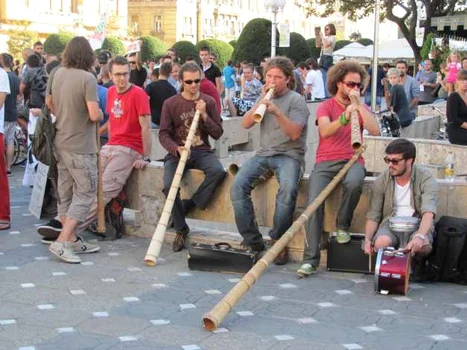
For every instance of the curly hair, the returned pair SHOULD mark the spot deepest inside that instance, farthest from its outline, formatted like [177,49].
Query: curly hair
[286,66]
[337,73]
[78,54]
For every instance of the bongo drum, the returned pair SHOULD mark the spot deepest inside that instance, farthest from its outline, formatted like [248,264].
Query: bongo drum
[392,271]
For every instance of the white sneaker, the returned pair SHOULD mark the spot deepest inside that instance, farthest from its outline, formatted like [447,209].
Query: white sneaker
[83,247]
[64,251]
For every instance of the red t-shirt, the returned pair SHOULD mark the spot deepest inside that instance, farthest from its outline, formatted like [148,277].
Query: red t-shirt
[337,146]
[207,87]
[124,111]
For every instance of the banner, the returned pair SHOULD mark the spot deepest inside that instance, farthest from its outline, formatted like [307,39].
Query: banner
[99,33]
[284,35]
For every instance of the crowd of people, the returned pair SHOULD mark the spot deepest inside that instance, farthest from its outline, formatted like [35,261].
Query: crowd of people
[119,99]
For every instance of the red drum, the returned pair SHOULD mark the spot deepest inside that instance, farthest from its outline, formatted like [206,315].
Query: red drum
[392,270]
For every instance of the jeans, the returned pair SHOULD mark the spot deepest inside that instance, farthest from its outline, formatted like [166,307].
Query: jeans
[324,73]
[205,161]
[352,185]
[288,172]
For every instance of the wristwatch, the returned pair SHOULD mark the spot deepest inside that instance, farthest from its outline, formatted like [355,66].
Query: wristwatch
[147,159]
[422,237]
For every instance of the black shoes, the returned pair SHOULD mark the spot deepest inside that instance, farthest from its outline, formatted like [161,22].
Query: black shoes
[51,229]
[179,241]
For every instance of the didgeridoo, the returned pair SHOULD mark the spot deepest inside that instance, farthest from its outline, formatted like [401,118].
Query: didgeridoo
[355,134]
[158,237]
[100,189]
[213,318]
[261,109]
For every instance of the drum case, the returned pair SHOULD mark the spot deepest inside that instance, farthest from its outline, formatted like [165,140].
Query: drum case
[349,257]
[220,257]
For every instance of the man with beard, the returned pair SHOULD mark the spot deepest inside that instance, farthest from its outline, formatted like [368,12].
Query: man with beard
[411,88]
[177,115]
[403,190]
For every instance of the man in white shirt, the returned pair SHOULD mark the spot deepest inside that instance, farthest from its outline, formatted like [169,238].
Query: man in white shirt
[4,186]
[314,83]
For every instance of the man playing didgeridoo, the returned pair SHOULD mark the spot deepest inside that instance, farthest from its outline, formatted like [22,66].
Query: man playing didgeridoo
[404,189]
[334,150]
[282,150]
[176,118]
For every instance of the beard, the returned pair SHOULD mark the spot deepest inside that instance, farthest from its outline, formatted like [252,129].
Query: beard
[397,173]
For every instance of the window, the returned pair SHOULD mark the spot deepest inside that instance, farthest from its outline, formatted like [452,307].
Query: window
[187,25]
[134,23]
[157,24]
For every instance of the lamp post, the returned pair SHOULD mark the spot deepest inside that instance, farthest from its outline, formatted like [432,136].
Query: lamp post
[274,6]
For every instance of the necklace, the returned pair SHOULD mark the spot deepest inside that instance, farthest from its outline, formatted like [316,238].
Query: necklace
[342,103]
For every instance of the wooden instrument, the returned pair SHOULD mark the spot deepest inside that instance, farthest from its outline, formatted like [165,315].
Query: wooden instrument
[355,134]
[392,271]
[157,240]
[213,318]
[100,190]
[261,109]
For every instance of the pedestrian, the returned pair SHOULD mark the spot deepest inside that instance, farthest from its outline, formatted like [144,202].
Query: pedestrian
[4,185]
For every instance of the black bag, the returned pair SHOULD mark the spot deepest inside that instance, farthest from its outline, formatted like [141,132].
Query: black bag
[435,91]
[220,257]
[448,261]
[43,142]
[349,257]
[114,216]
[326,61]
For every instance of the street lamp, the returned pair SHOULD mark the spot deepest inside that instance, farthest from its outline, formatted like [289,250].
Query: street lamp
[274,6]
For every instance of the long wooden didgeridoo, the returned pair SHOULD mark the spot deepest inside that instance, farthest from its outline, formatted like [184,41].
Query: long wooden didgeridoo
[158,237]
[213,318]
[355,134]
[261,109]
[100,190]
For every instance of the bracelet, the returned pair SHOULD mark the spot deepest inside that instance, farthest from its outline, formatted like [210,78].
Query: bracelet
[147,159]
[422,237]
[343,120]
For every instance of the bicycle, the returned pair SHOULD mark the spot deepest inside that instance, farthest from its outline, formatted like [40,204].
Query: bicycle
[389,122]
[20,146]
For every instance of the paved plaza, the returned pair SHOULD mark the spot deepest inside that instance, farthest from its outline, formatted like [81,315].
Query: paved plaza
[113,301]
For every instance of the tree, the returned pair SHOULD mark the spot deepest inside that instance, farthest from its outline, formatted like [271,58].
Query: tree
[152,48]
[233,43]
[315,51]
[184,49]
[55,43]
[402,12]
[355,36]
[222,49]
[341,43]
[365,41]
[114,45]
[20,38]
[254,42]
[298,51]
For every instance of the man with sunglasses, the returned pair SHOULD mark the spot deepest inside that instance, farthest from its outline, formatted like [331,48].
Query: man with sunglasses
[138,73]
[404,189]
[176,118]
[334,151]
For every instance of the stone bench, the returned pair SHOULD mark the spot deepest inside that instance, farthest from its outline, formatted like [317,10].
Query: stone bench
[144,190]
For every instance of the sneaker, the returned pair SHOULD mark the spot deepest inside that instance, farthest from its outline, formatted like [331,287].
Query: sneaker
[51,229]
[342,236]
[281,258]
[65,252]
[306,270]
[47,240]
[259,247]
[83,247]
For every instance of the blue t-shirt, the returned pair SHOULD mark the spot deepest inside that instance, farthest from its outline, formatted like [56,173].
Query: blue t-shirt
[102,94]
[228,72]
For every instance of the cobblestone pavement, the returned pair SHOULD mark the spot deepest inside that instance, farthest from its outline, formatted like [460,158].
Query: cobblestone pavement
[113,301]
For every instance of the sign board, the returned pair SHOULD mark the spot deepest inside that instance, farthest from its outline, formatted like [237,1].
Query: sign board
[37,196]
[133,47]
[284,35]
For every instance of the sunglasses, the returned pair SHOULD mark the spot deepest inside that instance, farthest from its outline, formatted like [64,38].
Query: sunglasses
[189,82]
[132,62]
[393,161]
[352,84]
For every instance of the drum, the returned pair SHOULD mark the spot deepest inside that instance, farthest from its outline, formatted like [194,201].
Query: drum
[403,224]
[392,270]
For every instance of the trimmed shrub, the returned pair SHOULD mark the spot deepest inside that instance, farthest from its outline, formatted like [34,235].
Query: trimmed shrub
[233,43]
[254,43]
[315,52]
[298,50]
[114,45]
[341,43]
[184,49]
[222,49]
[55,43]
[365,41]
[152,47]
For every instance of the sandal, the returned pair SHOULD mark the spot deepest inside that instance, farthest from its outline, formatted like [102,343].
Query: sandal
[4,225]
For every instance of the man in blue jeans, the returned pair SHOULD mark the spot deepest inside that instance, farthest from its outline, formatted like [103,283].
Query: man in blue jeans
[282,151]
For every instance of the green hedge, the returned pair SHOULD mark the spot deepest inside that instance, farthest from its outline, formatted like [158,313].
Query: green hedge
[152,47]
[298,50]
[55,43]
[315,52]
[233,43]
[222,49]
[254,42]
[365,41]
[114,45]
[184,49]
[341,43]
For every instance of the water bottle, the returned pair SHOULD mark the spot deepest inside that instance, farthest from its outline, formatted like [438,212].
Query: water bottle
[449,167]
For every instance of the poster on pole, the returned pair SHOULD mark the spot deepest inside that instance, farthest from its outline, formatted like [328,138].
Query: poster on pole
[284,35]
[37,196]
[98,37]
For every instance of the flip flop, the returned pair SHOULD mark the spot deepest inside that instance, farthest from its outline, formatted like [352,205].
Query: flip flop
[4,225]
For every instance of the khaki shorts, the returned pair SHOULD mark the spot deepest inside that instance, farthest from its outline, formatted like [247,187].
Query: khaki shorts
[77,183]
[9,133]
[396,237]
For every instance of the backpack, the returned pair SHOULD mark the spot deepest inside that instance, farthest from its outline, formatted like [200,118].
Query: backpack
[114,216]
[449,259]
[43,143]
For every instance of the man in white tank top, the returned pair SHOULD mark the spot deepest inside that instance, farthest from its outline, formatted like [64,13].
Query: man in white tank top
[403,190]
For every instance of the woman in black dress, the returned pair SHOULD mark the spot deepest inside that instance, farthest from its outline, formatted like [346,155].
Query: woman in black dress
[457,111]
